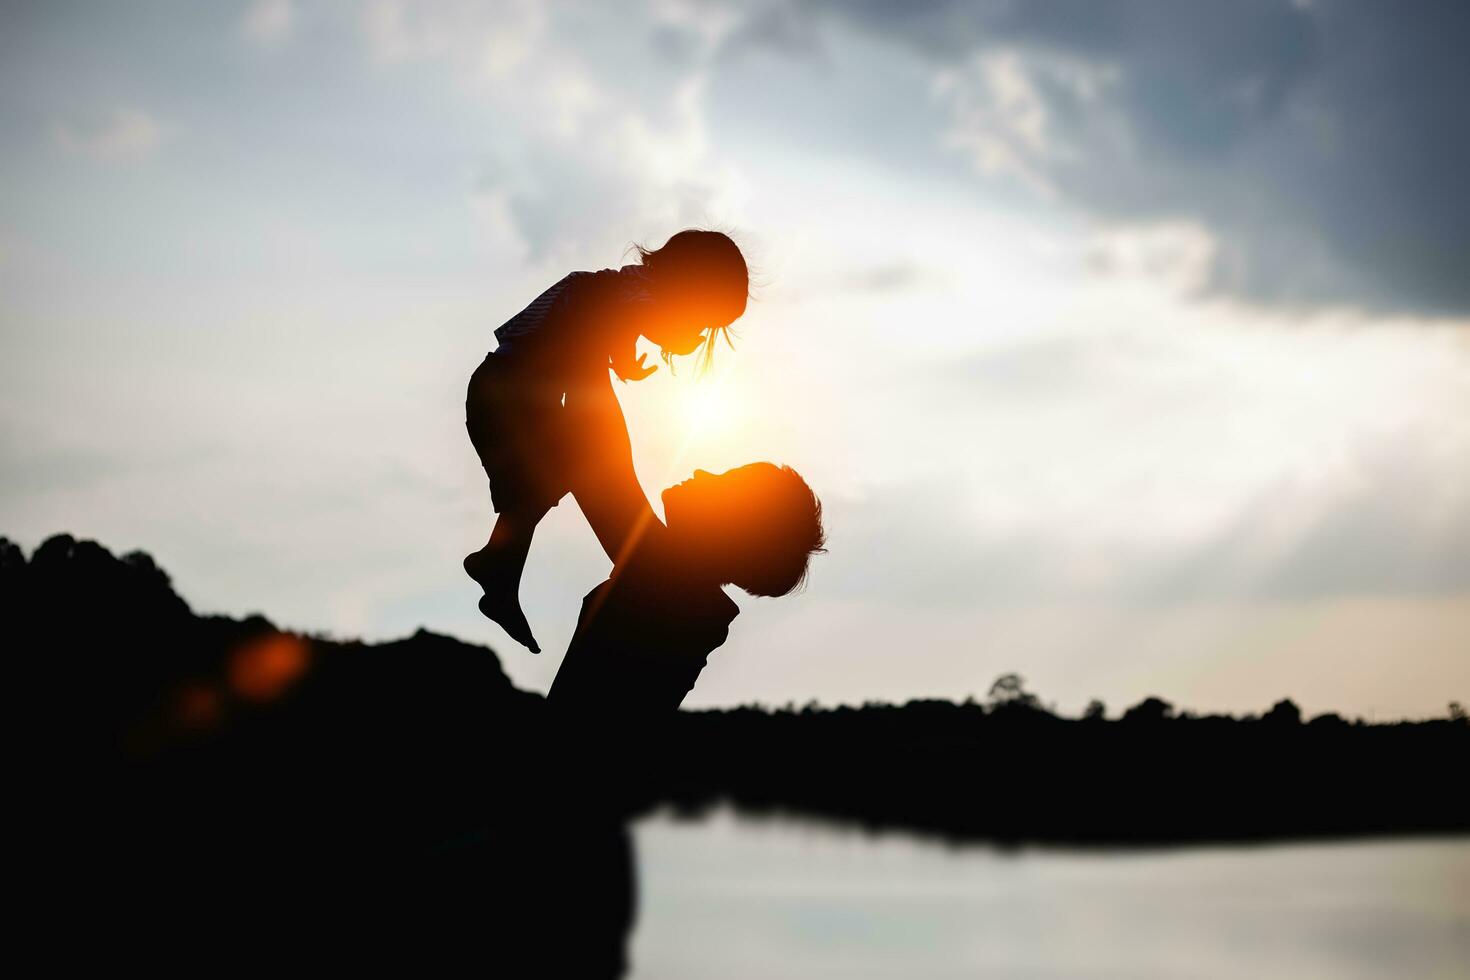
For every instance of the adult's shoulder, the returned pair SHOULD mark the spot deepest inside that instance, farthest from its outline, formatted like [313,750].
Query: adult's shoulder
[656,577]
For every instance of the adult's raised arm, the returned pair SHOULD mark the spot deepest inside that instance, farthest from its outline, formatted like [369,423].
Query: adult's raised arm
[603,480]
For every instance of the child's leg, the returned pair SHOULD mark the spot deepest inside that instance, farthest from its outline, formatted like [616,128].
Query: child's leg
[503,557]
[498,567]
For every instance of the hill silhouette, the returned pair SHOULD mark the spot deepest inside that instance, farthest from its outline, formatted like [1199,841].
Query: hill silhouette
[208,786]
[129,683]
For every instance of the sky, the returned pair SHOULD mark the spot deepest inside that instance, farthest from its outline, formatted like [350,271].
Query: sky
[1127,344]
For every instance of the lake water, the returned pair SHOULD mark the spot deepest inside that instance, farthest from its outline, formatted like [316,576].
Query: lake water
[772,899]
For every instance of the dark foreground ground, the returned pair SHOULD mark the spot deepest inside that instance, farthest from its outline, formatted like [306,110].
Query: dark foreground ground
[205,762]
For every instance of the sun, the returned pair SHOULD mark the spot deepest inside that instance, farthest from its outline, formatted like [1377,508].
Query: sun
[708,413]
[706,409]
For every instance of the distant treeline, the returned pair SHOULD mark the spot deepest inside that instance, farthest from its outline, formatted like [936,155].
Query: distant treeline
[191,735]
[1009,770]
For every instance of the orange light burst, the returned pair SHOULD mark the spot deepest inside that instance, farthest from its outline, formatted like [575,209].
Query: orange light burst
[707,410]
[706,405]
[264,669]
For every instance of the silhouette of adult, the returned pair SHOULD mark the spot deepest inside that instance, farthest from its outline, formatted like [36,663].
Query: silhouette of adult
[642,638]
[645,634]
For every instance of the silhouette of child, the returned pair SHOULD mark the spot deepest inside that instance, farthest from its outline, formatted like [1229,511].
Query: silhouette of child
[679,296]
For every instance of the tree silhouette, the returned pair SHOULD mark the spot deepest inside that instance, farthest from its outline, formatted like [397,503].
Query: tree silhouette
[1283,712]
[1009,693]
[1150,709]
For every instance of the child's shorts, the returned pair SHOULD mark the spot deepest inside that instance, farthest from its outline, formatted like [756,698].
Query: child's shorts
[519,431]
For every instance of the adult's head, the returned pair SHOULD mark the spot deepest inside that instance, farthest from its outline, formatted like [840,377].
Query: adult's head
[755,526]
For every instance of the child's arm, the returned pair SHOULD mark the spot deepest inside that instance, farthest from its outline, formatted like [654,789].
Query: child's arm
[603,479]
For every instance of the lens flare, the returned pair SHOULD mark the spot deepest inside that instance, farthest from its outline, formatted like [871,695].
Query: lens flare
[264,669]
[198,707]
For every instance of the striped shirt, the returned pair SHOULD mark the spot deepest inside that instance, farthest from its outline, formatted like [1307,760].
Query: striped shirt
[547,313]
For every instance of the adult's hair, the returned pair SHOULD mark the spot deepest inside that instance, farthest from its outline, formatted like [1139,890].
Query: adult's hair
[773,528]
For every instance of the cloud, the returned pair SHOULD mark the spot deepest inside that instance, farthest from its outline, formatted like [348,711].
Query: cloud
[1177,255]
[1024,116]
[269,22]
[492,37]
[594,169]
[1397,527]
[583,149]
[1321,146]
[1400,533]
[122,134]
[1132,465]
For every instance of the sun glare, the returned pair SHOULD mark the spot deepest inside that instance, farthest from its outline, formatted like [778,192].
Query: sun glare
[706,409]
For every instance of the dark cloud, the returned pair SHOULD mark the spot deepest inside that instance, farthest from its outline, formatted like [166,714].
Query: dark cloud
[1323,144]
[778,27]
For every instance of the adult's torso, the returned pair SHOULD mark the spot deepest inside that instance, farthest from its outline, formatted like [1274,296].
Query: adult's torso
[642,638]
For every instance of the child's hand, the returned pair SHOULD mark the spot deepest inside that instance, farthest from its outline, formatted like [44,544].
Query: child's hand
[636,371]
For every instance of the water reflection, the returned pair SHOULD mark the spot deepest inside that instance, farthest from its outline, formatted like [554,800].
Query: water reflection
[727,897]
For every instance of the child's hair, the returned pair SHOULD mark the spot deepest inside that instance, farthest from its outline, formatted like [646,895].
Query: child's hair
[713,261]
